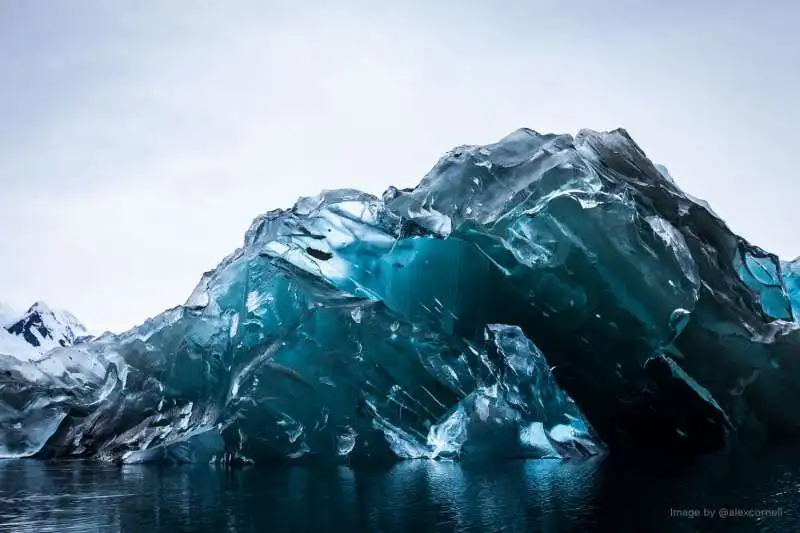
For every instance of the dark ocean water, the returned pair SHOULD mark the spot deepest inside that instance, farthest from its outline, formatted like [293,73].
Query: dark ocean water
[544,496]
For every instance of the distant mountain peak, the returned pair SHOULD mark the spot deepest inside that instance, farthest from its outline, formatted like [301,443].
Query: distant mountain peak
[40,307]
[44,327]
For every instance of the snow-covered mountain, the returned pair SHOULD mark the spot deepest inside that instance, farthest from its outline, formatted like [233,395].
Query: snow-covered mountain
[43,329]
[16,347]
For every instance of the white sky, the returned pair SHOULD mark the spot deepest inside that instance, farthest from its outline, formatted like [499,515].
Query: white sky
[138,139]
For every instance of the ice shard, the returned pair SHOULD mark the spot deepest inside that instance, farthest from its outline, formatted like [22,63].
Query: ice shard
[517,409]
[546,295]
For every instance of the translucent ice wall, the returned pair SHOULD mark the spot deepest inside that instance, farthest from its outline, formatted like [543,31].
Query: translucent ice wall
[542,296]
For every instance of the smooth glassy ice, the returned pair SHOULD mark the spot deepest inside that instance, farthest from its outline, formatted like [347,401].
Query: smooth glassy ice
[544,296]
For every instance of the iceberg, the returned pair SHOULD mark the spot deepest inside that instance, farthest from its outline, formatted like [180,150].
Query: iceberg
[543,296]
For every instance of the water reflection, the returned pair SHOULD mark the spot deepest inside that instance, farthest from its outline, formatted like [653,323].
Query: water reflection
[547,496]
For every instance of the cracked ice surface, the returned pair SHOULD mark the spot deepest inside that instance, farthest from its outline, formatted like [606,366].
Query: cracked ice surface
[536,297]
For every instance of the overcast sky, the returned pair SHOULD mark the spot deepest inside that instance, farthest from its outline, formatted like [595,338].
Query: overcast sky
[138,139]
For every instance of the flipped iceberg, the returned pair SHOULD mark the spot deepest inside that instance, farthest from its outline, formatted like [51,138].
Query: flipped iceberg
[536,297]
